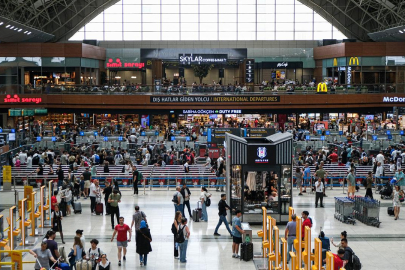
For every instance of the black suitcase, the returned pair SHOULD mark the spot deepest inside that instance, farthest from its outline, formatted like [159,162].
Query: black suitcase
[246,251]
[77,207]
[390,211]
[197,213]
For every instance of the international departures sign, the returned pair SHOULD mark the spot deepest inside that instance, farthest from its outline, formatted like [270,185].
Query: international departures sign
[222,99]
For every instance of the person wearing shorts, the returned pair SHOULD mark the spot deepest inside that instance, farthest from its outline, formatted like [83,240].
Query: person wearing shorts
[87,177]
[122,240]
[351,183]
[236,234]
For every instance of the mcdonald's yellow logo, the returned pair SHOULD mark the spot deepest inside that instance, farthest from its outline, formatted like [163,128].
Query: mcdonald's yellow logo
[354,61]
[335,62]
[322,87]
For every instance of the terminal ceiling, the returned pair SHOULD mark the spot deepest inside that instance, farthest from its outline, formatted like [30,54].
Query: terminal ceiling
[63,18]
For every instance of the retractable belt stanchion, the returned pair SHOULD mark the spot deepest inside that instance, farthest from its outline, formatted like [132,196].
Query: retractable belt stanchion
[23,222]
[263,232]
[50,193]
[43,206]
[293,261]
[291,211]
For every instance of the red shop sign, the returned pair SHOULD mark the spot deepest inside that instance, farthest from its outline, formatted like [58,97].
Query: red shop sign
[17,99]
[119,64]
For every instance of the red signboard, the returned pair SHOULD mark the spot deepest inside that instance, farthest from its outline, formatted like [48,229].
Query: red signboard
[119,64]
[17,99]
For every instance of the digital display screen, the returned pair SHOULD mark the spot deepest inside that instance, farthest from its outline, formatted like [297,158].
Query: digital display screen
[11,136]
[261,155]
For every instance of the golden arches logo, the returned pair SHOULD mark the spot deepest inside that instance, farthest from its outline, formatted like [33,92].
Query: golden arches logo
[335,63]
[354,61]
[322,88]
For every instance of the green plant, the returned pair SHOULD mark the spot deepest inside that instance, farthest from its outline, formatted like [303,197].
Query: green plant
[201,71]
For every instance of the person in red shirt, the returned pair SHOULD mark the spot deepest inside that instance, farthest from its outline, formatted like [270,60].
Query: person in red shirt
[122,240]
[54,201]
[333,157]
[337,259]
[307,222]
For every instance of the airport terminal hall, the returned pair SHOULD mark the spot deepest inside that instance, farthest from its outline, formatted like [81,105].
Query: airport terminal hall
[202,134]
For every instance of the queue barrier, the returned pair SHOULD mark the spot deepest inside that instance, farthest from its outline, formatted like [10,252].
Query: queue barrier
[16,258]
[277,257]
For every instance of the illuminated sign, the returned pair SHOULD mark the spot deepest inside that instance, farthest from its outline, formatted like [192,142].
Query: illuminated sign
[212,111]
[283,64]
[335,63]
[118,64]
[17,99]
[393,99]
[322,87]
[202,58]
[349,75]
[354,61]
[219,99]
[250,71]
[261,155]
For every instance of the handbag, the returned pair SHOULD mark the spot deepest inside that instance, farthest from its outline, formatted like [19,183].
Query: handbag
[401,197]
[150,240]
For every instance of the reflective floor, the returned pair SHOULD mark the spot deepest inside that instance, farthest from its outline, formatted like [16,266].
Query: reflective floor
[377,248]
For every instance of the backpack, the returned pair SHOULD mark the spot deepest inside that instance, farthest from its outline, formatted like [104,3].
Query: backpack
[35,160]
[96,158]
[180,236]
[175,199]
[356,262]
[207,201]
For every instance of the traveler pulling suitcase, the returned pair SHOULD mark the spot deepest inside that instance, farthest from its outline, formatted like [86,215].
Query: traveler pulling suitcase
[197,213]
[390,211]
[246,251]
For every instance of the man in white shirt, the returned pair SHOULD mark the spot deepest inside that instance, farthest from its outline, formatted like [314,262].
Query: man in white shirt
[219,160]
[94,189]
[380,157]
[29,161]
[379,172]
[207,160]
[23,158]
[319,192]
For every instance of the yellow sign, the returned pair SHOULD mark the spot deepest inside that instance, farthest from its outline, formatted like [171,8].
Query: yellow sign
[322,87]
[335,62]
[7,174]
[354,61]
[16,257]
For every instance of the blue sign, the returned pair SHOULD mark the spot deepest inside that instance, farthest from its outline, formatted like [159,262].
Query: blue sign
[172,138]
[245,132]
[106,139]
[54,139]
[319,132]
[375,137]
[390,137]
[327,132]
[12,130]
[95,133]
[143,133]
[205,133]
[81,133]
[340,133]
[156,133]
[401,132]
[388,132]
[188,138]
[307,137]
[209,135]
[322,138]
[1,130]
[120,138]
[39,138]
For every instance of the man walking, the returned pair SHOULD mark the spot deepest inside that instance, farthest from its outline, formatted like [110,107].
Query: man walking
[185,192]
[113,200]
[107,192]
[136,177]
[122,241]
[319,192]
[178,201]
[222,207]
[290,234]
[348,257]
[137,217]
[321,173]
[94,192]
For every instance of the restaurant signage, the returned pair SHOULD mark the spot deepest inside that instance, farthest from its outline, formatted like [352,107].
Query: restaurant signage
[212,111]
[17,99]
[222,99]
[202,58]
[393,99]
[283,64]
[119,64]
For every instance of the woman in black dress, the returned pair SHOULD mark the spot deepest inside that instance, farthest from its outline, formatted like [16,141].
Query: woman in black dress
[57,221]
[143,239]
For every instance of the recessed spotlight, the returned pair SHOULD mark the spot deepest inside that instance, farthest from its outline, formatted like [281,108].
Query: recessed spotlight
[29,33]
[401,32]
[7,26]
[11,27]
[1,23]
[20,30]
[15,29]
[25,32]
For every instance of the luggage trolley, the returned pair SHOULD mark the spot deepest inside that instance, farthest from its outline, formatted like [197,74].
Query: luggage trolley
[344,210]
[367,211]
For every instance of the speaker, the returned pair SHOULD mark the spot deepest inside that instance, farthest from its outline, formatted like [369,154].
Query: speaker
[181,72]
[221,72]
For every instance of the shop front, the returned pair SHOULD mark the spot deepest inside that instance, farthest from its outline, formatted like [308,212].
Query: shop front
[284,72]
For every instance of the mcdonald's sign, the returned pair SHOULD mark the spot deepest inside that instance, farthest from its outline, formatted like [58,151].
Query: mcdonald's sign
[322,88]
[335,63]
[354,61]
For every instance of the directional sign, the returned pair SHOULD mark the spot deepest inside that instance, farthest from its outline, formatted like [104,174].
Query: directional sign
[54,139]
[401,133]
[388,132]
[156,133]
[250,71]
[375,137]
[327,132]
[340,133]
[106,139]
[390,137]
[39,138]
[95,133]
[143,133]
[322,138]
[81,133]
[307,137]
[120,138]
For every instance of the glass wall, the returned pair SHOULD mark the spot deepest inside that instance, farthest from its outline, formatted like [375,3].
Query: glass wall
[208,20]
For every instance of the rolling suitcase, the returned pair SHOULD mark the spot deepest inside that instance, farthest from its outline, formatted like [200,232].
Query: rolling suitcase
[77,207]
[390,211]
[246,251]
[197,213]
[99,209]
[64,266]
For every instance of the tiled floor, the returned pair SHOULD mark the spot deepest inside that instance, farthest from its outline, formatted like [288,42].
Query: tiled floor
[378,248]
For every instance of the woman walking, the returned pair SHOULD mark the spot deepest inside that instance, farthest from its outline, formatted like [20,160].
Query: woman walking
[143,240]
[56,221]
[175,228]
[343,235]
[298,176]
[396,201]
[203,198]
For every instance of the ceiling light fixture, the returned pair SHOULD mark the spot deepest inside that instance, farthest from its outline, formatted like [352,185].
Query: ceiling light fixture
[1,23]
[133,77]
[25,32]
[117,77]
[401,32]
[20,30]
[7,26]
[11,27]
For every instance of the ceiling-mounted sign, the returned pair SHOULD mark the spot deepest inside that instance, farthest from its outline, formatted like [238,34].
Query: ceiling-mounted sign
[283,64]
[202,58]
[205,99]
[280,65]
[17,99]
[250,71]
[118,63]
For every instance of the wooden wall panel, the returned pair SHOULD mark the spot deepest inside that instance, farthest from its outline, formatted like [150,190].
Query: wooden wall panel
[374,48]
[8,49]
[331,51]
[29,49]
[53,49]
[93,52]
[354,49]
[395,49]
[73,50]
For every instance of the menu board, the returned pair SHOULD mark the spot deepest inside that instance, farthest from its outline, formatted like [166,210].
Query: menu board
[250,71]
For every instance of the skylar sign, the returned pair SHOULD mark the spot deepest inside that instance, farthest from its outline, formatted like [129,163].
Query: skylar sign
[17,99]
[393,99]
[202,58]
